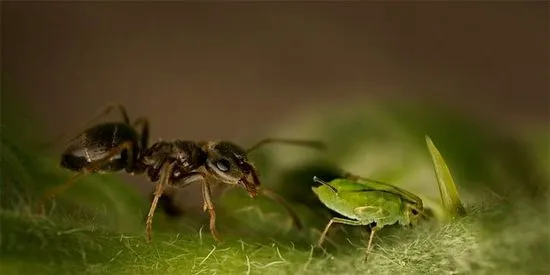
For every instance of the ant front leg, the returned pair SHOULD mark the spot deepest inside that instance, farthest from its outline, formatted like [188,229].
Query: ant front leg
[90,168]
[208,204]
[165,175]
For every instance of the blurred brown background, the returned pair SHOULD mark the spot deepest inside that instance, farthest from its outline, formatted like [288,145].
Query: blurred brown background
[232,70]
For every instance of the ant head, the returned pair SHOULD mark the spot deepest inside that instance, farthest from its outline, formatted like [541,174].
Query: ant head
[228,163]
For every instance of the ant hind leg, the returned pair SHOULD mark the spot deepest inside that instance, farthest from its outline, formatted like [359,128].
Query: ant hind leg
[90,168]
[109,108]
[143,124]
[102,112]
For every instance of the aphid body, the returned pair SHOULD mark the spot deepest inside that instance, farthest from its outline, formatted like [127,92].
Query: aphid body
[368,202]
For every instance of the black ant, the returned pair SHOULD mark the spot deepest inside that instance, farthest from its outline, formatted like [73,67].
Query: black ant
[116,146]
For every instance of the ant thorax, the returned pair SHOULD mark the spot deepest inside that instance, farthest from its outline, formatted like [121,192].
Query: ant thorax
[187,155]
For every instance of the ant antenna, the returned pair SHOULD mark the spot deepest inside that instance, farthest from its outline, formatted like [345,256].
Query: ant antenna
[274,196]
[315,144]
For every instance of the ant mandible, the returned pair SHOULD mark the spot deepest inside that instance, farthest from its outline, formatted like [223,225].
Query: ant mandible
[116,146]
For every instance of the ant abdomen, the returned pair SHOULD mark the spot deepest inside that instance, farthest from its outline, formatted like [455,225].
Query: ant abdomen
[97,143]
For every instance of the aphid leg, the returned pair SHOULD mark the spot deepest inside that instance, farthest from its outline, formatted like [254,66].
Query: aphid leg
[159,188]
[276,197]
[207,193]
[297,142]
[369,246]
[336,220]
[90,168]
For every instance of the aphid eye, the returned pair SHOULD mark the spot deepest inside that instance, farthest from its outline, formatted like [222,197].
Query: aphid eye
[223,165]
[414,212]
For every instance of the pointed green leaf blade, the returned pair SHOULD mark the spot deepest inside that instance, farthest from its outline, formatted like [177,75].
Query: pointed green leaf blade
[447,188]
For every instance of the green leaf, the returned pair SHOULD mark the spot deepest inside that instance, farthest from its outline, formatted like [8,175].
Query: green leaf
[447,187]
[97,227]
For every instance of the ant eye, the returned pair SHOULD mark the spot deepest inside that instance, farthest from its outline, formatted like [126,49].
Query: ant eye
[223,165]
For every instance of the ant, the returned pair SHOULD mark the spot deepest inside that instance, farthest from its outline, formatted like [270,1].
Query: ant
[115,146]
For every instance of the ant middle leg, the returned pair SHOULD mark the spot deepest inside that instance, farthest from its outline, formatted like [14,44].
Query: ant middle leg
[165,179]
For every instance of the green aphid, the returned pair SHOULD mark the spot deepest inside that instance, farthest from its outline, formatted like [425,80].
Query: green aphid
[368,202]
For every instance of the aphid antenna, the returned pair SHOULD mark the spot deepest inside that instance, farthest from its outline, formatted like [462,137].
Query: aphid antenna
[318,180]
